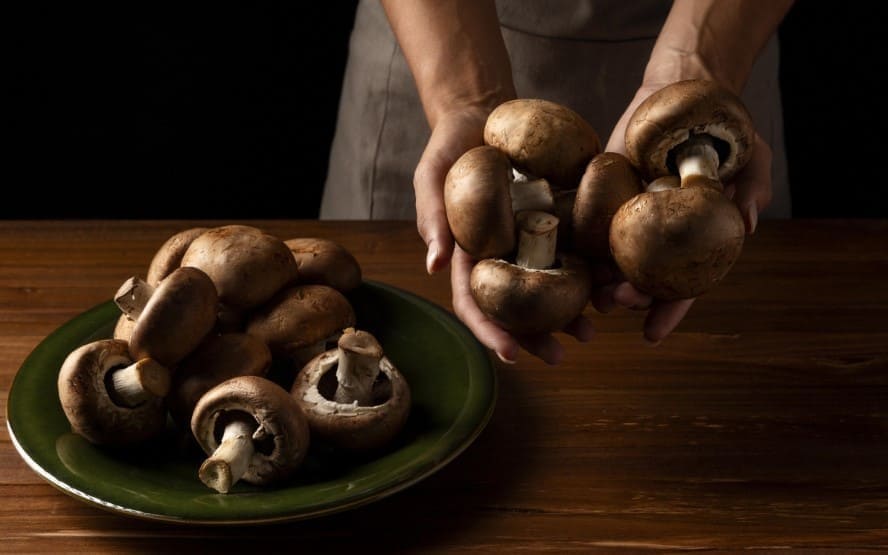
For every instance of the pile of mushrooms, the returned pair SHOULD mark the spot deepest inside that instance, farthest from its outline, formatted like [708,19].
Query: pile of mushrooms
[196,341]
[539,202]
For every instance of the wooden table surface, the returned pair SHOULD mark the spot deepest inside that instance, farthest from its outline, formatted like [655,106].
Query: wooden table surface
[760,424]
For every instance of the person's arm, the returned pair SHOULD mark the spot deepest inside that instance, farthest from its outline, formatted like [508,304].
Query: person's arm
[718,40]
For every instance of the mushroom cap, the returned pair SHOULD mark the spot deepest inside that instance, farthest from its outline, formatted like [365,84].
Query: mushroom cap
[670,115]
[300,316]
[478,203]
[325,262]
[216,359]
[169,256]
[246,264]
[543,139]
[350,427]
[677,243]
[176,318]
[610,180]
[526,301]
[280,420]
[83,392]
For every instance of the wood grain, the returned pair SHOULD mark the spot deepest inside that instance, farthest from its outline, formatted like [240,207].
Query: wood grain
[760,424]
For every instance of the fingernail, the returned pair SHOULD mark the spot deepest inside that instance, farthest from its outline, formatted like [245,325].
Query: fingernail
[752,216]
[648,342]
[430,258]
[504,358]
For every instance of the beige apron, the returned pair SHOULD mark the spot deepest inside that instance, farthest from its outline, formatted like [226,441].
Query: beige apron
[586,54]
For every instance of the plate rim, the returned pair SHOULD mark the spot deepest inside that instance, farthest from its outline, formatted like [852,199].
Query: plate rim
[387,491]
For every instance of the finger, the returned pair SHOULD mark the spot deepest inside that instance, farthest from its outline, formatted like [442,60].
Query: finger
[488,333]
[581,329]
[543,346]
[753,190]
[627,296]
[663,318]
[431,218]
[602,298]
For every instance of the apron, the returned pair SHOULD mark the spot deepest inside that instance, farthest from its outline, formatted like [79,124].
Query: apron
[588,55]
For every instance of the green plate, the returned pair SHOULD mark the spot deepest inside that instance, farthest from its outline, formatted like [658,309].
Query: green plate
[453,385]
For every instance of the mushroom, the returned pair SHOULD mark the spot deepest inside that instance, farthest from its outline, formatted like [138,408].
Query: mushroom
[246,265]
[299,320]
[252,430]
[171,319]
[609,182]
[478,204]
[108,398]
[542,291]
[325,262]
[543,139]
[169,256]
[676,243]
[216,359]
[354,398]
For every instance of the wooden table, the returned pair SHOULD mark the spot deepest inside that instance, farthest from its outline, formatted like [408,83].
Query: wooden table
[762,423]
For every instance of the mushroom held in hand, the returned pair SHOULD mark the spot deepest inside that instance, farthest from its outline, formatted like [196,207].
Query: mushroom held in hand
[609,182]
[109,399]
[543,139]
[541,291]
[171,319]
[252,430]
[676,243]
[353,396]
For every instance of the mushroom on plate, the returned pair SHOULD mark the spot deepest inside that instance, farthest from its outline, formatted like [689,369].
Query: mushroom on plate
[218,358]
[110,399]
[170,320]
[676,243]
[354,398]
[325,262]
[169,256]
[252,430]
[542,290]
[299,321]
[247,265]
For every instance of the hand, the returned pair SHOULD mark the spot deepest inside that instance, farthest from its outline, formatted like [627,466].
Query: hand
[454,134]
[750,190]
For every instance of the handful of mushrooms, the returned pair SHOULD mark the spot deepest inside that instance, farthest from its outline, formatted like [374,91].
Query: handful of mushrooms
[195,344]
[539,202]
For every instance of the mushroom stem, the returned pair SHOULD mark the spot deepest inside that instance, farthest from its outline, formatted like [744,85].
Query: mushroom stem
[139,382]
[132,297]
[537,239]
[232,458]
[697,158]
[358,367]
[530,194]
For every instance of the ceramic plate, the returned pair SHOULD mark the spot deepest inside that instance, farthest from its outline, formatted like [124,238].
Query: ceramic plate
[453,386]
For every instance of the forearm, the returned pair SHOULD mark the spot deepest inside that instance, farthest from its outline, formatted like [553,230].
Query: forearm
[455,51]
[714,39]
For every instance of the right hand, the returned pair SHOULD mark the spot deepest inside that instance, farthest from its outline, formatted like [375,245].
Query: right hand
[454,134]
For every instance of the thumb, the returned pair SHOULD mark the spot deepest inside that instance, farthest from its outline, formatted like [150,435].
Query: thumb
[753,184]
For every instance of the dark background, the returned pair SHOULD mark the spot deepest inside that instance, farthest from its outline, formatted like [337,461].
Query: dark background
[156,111]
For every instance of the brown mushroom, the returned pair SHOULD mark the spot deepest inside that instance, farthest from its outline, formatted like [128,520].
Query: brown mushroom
[478,204]
[354,398]
[169,256]
[300,320]
[216,359]
[325,262]
[543,139]
[108,398]
[609,182]
[542,291]
[171,319]
[676,243]
[252,430]
[247,265]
